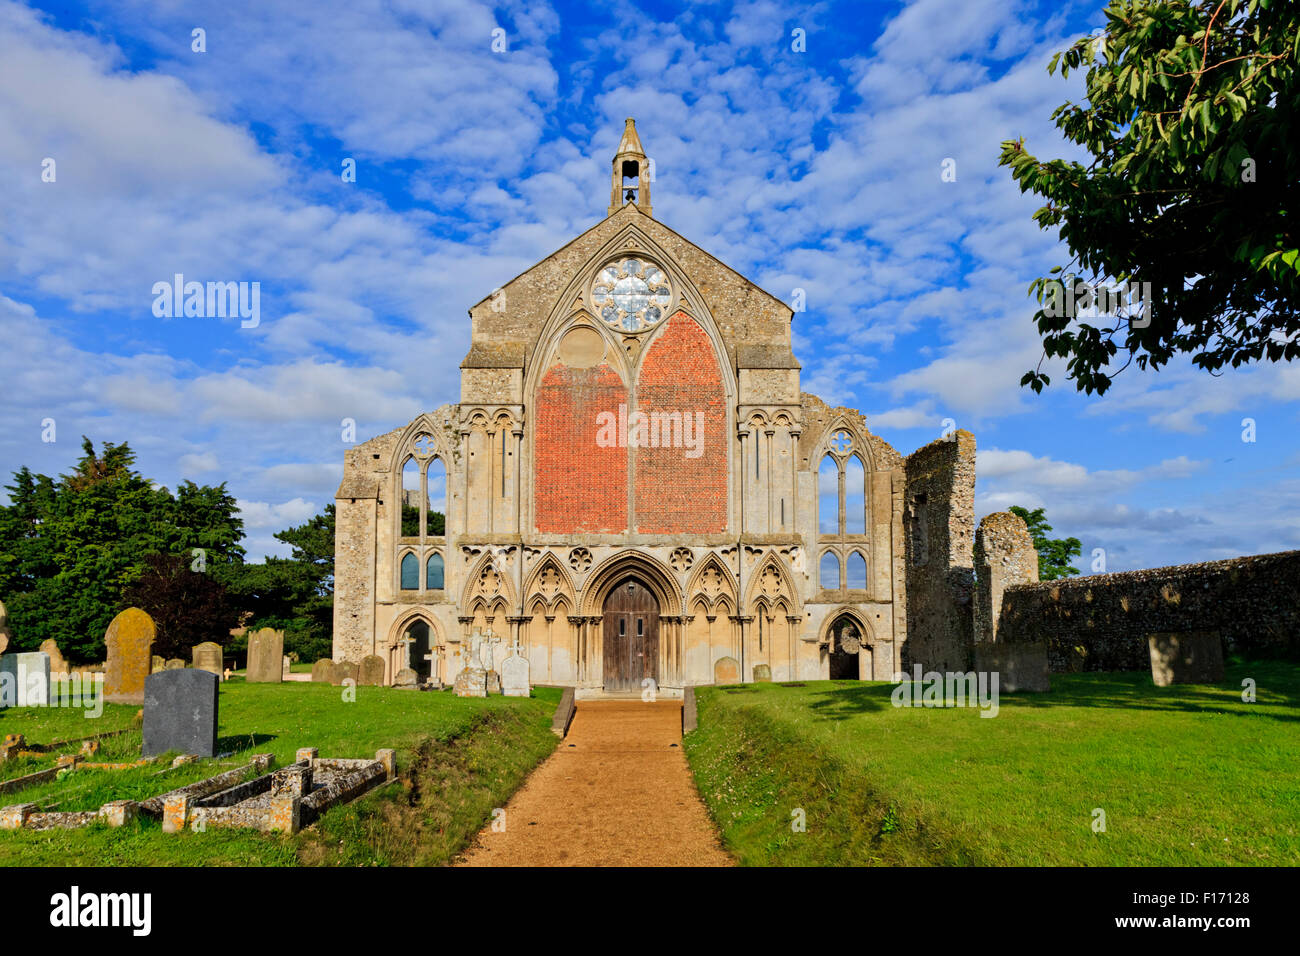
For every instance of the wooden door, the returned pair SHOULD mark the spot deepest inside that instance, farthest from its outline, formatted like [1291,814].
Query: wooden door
[631,637]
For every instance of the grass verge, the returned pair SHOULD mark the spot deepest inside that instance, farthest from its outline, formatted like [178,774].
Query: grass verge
[1189,775]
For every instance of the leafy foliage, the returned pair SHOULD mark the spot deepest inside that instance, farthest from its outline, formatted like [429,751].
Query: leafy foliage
[188,607]
[1192,187]
[294,594]
[70,547]
[1054,554]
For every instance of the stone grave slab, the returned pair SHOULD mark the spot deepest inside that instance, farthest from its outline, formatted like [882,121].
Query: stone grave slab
[180,712]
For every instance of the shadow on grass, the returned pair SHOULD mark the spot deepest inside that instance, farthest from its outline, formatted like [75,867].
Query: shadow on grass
[1277,683]
[241,743]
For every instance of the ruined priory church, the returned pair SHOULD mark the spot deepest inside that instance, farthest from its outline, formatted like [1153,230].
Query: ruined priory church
[634,486]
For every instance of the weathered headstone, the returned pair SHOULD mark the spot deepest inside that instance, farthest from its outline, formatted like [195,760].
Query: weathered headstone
[322,672]
[1192,657]
[471,682]
[129,639]
[345,670]
[57,663]
[286,668]
[406,677]
[180,712]
[514,675]
[762,672]
[25,680]
[265,654]
[207,657]
[493,682]
[175,664]
[372,671]
[1020,667]
[726,671]
[157,663]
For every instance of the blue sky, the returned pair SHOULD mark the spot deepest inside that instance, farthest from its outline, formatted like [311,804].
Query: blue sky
[817,170]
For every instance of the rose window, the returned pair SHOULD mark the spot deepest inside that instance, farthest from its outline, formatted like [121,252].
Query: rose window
[631,294]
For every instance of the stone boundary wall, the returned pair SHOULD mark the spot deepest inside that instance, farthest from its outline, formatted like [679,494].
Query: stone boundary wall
[1101,622]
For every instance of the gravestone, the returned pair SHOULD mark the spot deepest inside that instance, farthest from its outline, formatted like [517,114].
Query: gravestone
[180,712]
[493,682]
[471,682]
[372,671]
[762,672]
[322,672]
[25,680]
[726,671]
[157,664]
[514,675]
[406,677]
[175,664]
[345,670]
[265,652]
[207,657]
[286,668]
[1191,657]
[57,663]
[129,640]
[1020,667]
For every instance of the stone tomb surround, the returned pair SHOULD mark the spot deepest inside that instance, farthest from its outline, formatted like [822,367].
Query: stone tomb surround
[542,522]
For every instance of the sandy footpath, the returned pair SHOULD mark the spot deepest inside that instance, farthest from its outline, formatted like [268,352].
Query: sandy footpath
[616,793]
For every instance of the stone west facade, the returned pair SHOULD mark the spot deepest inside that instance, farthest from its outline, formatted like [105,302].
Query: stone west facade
[634,485]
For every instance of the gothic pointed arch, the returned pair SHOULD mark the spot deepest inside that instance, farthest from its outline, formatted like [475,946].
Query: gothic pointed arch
[652,572]
[852,612]
[712,583]
[771,581]
[488,584]
[550,582]
[429,436]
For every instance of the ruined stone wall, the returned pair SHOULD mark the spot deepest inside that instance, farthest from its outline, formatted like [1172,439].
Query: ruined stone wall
[1101,622]
[939,529]
[1004,555]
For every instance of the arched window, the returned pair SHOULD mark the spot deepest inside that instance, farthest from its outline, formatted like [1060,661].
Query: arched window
[842,489]
[436,495]
[410,572]
[433,573]
[410,503]
[857,571]
[828,496]
[855,497]
[828,574]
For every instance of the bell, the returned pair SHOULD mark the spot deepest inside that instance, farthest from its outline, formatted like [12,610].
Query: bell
[630,196]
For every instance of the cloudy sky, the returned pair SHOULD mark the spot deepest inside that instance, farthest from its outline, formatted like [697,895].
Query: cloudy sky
[817,169]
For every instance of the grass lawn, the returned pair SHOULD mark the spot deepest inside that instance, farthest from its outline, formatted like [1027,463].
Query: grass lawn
[491,745]
[1188,775]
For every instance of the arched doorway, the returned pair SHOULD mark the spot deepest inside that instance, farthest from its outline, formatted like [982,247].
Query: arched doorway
[845,644]
[412,650]
[631,636]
